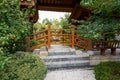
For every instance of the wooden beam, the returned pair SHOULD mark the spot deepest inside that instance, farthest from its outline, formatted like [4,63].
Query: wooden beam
[75,13]
[78,2]
[79,12]
[54,8]
[26,3]
[35,18]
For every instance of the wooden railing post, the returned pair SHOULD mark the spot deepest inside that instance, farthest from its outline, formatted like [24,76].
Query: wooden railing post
[73,34]
[62,36]
[28,43]
[49,38]
[89,45]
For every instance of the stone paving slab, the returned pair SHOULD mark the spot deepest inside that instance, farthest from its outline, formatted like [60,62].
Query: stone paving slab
[73,74]
[60,48]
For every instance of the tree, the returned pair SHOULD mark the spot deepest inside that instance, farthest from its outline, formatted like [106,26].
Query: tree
[64,21]
[47,21]
[38,26]
[105,18]
[13,25]
[56,23]
[104,8]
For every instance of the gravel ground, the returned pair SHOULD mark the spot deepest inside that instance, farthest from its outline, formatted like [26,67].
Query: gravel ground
[73,74]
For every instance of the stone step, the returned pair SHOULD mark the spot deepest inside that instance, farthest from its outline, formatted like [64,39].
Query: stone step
[61,57]
[64,58]
[36,51]
[61,53]
[67,64]
[61,50]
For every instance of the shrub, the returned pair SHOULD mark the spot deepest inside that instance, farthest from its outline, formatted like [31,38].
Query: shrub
[107,71]
[13,25]
[4,59]
[33,42]
[24,66]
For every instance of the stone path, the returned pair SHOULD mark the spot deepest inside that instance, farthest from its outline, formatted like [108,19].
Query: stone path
[60,50]
[59,53]
[60,57]
[73,74]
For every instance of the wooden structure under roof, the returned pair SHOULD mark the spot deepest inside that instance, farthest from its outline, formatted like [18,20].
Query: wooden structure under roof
[57,5]
[80,13]
[73,6]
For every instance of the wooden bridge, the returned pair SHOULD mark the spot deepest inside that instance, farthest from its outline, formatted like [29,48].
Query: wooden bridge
[51,36]
[57,36]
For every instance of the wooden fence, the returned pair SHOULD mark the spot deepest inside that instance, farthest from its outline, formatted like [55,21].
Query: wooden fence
[57,36]
[111,41]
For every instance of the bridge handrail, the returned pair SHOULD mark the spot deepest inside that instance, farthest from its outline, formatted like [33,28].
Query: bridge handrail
[39,32]
[73,39]
[85,43]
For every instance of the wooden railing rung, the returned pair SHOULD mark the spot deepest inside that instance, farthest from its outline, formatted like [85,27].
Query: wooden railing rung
[40,38]
[60,34]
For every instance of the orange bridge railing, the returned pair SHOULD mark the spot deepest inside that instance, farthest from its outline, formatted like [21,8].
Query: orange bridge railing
[57,36]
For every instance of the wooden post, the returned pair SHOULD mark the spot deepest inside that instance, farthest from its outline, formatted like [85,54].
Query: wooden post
[73,34]
[49,37]
[89,45]
[28,43]
[113,51]
[62,37]
[46,37]
[102,52]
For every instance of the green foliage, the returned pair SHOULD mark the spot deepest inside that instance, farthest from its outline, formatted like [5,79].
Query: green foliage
[24,66]
[42,26]
[4,60]
[64,21]
[27,0]
[89,30]
[38,26]
[102,5]
[47,21]
[54,23]
[105,18]
[13,25]
[105,9]
[33,42]
[107,71]
[95,27]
